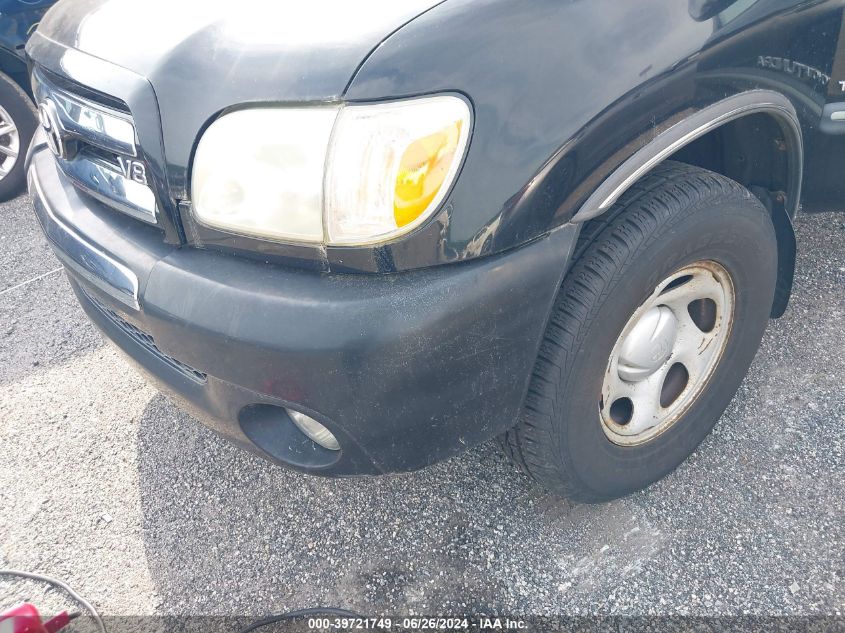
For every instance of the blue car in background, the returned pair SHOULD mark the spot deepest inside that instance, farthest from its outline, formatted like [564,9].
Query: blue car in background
[18,118]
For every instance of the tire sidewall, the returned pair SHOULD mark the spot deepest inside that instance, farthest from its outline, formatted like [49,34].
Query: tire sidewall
[733,232]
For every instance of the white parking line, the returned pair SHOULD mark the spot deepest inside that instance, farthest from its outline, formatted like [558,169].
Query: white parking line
[29,281]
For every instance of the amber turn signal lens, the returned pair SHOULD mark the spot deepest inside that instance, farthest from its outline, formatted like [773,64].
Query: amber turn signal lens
[422,172]
[391,164]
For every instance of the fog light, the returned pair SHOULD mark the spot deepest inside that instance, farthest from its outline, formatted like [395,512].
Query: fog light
[314,430]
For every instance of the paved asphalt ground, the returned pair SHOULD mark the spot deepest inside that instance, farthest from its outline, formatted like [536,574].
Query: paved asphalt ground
[106,484]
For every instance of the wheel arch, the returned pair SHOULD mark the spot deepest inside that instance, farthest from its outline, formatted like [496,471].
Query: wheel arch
[753,138]
[15,70]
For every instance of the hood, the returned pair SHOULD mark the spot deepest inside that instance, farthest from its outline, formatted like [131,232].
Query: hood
[263,49]
[203,56]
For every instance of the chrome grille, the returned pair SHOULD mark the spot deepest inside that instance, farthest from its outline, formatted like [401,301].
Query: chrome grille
[96,146]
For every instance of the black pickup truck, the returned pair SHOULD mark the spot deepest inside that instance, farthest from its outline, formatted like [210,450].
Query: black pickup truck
[360,237]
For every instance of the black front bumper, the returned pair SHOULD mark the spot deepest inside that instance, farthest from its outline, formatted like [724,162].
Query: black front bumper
[405,369]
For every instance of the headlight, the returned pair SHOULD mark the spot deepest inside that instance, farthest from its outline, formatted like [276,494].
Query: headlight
[353,174]
[260,172]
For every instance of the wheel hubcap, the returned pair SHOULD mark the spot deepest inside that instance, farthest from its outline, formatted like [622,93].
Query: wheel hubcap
[9,143]
[667,353]
[649,345]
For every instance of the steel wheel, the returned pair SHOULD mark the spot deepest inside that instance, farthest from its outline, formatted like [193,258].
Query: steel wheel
[9,143]
[666,353]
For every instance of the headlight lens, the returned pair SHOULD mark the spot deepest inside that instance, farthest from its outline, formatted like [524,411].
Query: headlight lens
[260,172]
[356,174]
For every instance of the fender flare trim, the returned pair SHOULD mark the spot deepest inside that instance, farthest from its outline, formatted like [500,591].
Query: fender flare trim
[694,127]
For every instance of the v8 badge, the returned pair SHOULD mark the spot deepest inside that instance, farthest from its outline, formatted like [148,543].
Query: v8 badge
[133,170]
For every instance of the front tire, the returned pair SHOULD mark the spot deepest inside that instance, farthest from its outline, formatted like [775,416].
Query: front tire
[628,382]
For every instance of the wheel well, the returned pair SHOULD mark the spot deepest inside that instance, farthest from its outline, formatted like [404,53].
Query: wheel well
[753,138]
[15,69]
[751,150]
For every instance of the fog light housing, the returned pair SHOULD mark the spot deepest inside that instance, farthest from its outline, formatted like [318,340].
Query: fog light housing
[314,430]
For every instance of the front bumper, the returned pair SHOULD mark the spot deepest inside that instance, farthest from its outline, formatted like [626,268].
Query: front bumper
[405,369]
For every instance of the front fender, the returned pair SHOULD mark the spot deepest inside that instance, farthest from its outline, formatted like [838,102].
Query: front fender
[566,92]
